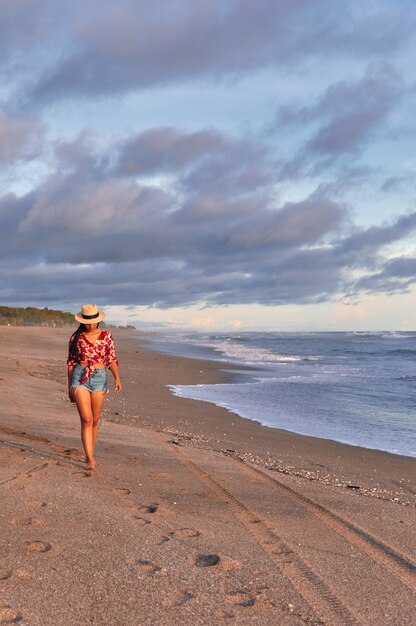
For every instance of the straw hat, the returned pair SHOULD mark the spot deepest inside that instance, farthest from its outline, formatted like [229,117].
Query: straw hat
[89,314]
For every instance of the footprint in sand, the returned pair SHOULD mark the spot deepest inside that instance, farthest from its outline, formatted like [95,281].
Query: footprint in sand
[185,533]
[14,486]
[121,491]
[9,615]
[225,615]
[163,539]
[142,521]
[150,508]
[37,503]
[73,453]
[207,560]
[184,597]
[38,546]
[227,564]
[241,597]
[25,521]
[145,567]
[83,473]
[22,573]
[5,573]
[161,475]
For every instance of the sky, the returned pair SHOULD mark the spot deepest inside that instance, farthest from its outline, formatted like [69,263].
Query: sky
[225,165]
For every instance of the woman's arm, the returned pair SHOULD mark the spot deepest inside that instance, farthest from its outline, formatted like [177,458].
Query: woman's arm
[113,367]
[70,370]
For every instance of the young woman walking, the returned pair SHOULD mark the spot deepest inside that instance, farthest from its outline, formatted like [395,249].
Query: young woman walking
[91,351]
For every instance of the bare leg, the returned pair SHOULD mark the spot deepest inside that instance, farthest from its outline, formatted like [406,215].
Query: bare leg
[97,401]
[83,401]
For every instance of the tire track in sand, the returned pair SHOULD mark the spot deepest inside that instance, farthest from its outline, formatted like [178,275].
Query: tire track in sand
[398,564]
[321,599]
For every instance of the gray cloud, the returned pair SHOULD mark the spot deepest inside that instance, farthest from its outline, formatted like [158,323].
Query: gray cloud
[20,138]
[373,238]
[340,123]
[94,226]
[167,149]
[398,183]
[170,216]
[119,47]
[25,23]
[355,110]
[397,275]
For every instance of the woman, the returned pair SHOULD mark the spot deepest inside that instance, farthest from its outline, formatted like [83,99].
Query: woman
[91,350]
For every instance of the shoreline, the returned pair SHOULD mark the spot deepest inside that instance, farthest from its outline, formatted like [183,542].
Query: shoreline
[230,371]
[197,511]
[205,423]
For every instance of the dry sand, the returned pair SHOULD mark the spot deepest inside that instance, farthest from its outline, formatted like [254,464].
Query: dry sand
[194,515]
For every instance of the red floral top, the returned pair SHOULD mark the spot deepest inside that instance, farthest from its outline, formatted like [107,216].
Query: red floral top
[101,351]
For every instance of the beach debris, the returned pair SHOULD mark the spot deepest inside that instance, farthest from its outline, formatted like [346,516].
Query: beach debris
[207,560]
[176,442]
[152,508]
[325,478]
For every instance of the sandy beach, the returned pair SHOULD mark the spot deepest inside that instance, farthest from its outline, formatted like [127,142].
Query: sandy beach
[194,516]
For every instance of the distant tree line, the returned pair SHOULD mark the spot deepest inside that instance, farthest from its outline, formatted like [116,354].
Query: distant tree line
[31,316]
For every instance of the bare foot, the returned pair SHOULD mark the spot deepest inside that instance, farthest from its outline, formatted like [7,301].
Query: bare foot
[91,464]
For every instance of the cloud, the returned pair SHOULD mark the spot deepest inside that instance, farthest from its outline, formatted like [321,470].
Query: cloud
[25,23]
[355,110]
[99,228]
[375,237]
[207,159]
[20,138]
[177,216]
[397,183]
[167,149]
[339,125]
[397,275]
[115,48]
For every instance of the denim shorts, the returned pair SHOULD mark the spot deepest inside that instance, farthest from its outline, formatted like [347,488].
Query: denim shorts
[96,382]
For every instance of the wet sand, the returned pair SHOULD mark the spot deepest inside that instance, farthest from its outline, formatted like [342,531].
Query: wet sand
[194,515]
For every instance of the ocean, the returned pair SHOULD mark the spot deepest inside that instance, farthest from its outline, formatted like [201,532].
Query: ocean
[353,387]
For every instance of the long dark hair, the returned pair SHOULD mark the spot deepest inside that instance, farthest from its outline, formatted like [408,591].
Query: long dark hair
[73,342]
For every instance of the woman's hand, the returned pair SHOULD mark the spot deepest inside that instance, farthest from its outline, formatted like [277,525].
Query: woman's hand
[113,367]
[71,394]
